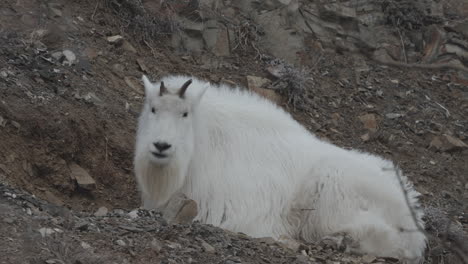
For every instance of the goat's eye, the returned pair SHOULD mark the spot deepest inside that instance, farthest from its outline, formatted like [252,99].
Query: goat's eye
[153,110]
[185,114]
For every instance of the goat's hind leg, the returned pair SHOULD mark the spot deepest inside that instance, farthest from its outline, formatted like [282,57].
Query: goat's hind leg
[370,234]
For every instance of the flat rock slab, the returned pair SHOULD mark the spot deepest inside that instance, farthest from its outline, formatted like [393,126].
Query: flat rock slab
[82,177]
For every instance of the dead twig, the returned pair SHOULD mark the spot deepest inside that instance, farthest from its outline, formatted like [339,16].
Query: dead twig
[456,248]
[435,66]
[402,42]
[94,12]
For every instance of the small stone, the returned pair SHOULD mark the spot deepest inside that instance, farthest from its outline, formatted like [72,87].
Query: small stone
[128,47]
[290,243]
[179,209]
[173,245]
[187,213]
[142,65]
[46,231]
[368,259]
[255,84]
[266,240]
[133,214]
[369,121]
[120,242]
[156,245]
[466,186]
[56,12]
[117,39]
[3,74]
[455,142]
[91,53]
[365,137]
[134,84]
[28,211]
[57,55]
[82,177]
[102,211]
[16,124]
[393,115]
[447,143]
[53,198]
[70,57]
[82,226]
[118,211]
[208,248]
[85,245]
[300,259]
[8,220]
[118,69]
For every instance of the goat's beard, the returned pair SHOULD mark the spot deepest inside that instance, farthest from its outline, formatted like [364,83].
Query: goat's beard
[158,182]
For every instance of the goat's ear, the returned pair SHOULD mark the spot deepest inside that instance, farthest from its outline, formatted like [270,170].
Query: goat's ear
[199,96]
[149,87]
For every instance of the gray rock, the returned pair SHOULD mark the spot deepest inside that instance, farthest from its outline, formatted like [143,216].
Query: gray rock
[216,39]
[45,231]
[102,211]
[2,121]
[207,247]
[128,47]
[117,39]
[120,242]
[393,115]
[70,57]
[3,74]
[55,11]
[16,124]
[82,177]
[57,55]
[156,245]
[8,220]
[85,245]
[133,214]
[118,211]
[179,209]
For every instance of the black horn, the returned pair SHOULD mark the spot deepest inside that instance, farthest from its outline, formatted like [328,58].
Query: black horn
[184,88]
[162,89]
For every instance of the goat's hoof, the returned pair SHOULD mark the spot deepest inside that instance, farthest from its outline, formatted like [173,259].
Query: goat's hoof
[340,241]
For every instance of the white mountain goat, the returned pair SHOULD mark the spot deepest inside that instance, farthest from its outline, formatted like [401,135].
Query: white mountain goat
[252,168]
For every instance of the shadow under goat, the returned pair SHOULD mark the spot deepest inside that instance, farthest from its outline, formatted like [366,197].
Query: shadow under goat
[252,168]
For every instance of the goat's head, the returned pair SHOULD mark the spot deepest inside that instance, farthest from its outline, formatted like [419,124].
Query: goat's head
[166,124]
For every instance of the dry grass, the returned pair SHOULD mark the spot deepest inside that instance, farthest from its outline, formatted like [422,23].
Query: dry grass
[292,82]
[135,19]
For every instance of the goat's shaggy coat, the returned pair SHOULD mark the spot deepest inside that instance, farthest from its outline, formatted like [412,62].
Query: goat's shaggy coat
[252,168]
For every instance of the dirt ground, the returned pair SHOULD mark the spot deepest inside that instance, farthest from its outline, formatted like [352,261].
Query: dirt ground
[53,115]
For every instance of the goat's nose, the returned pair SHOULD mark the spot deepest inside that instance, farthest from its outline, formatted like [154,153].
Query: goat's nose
[162,146]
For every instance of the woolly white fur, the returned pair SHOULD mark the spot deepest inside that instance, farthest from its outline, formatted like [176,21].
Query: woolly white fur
[252,168]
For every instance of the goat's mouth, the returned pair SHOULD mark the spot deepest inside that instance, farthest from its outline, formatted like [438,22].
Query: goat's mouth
[159,155]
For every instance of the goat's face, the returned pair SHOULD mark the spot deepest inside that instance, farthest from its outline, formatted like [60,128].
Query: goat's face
[166,124]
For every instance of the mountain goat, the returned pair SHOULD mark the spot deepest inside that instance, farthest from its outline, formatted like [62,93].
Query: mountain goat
[252,168]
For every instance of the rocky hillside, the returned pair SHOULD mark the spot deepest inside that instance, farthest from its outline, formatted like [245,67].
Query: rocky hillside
[386,76]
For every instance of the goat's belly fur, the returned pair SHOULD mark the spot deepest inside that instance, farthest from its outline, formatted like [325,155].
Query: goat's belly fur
[256,170]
